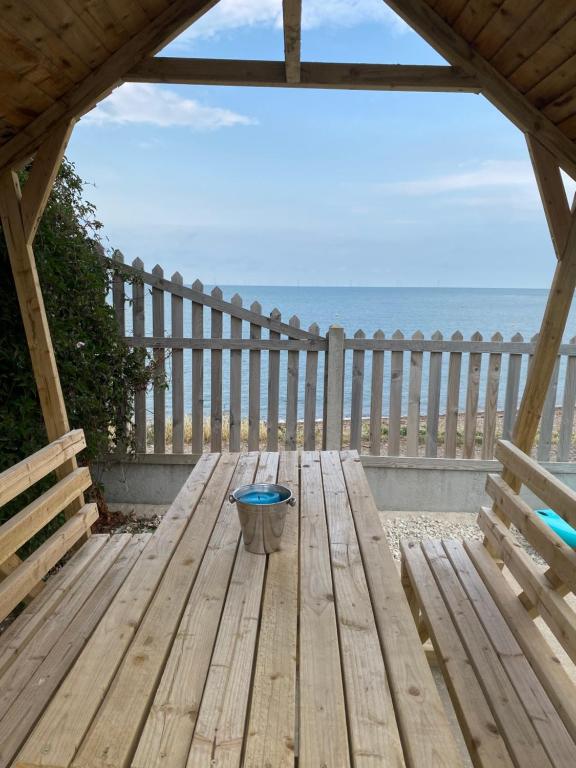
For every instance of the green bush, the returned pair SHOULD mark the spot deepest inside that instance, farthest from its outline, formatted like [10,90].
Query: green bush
[99,374]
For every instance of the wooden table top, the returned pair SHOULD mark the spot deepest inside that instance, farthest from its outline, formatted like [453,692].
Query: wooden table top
[212,656]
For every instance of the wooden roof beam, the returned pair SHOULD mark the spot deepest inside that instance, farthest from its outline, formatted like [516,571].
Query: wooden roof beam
[376,77]
[292,17]
[429,25]
[98,84]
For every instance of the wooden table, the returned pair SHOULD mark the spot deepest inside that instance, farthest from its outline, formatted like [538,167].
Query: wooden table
[211,656]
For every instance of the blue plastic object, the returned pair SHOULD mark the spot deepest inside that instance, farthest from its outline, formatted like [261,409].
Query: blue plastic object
[261,497]
[559,526]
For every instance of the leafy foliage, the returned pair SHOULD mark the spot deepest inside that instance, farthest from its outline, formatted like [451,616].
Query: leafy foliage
[99,374]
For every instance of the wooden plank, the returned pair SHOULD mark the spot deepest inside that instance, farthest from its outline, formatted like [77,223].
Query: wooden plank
[552,193]
[273,388]
[551,673]
[197,375]
[424,728]
[559,556]
[547,347]
[219,732]
[22,630]
[374,737]
[114,732]
[104,77]
[118,292]
[216,378]
[452,400]
[357,403]
[159,389]
[472,392]
[292,18]
[15,587]
[170,723]
[254,384]
[509,713]
[139,330]
[41,687]
[556,494]
[22,526]
[495,87]
[538,589]
[548,416]
[491,402]
[292,372]
[235,381]
[376,398]
[270,735]
[72,709]
[313,74]
[512,390]
[334,391]
[31,655]
[395,407]
[414,396]
[310,395]
[177,360]
[434,381]
[549,727]
[21,476]
[257,344]
[481,733]
[568,404]
[323,737]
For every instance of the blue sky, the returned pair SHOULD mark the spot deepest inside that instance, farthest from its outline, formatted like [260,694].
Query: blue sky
[274,186]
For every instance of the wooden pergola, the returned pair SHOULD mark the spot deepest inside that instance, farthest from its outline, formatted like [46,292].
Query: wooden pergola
[59,59]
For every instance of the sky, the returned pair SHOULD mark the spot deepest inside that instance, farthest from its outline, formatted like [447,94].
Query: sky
[251,186]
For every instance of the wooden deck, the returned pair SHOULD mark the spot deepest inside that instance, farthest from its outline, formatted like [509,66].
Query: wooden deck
[182,649]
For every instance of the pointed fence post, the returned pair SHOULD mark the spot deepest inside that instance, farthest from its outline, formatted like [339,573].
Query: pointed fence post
[138,330]
[334,389]
[177,311]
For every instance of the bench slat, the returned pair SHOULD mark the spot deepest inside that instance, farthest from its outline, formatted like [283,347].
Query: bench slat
[515,725]
[542,658]
[546,721]
[481,733]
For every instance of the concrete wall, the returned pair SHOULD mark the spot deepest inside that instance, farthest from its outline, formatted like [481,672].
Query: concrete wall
[398,484]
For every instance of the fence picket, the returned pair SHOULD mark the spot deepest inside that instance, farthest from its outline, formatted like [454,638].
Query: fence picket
[177,311]
[472,393]
[118,290]
[292,373]
[357,395]
[376,398]
[273,388]
[310,393]
[548,414]
[197,374]
[395,413]
[235,380]
[433,416]
[491,401]
[453,400]
[138,330]
[512,390]
[568,404]
[414,398]
[334,389]
[159,398]
[216,378]
[254,385]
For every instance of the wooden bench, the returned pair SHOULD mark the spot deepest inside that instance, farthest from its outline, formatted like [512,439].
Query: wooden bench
[514,699]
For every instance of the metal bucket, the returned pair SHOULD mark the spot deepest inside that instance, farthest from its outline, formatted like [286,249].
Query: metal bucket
[262,521]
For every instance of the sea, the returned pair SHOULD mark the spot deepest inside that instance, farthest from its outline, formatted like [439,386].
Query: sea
[469,310]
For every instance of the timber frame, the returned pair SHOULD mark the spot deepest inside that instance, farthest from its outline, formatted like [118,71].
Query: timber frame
[123,51]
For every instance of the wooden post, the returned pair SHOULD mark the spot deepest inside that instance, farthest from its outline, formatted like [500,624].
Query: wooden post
[334,389]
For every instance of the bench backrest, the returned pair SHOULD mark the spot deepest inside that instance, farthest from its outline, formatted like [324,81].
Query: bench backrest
[21,577]
[543,590]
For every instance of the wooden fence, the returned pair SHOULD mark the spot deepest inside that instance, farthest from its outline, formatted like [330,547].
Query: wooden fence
[257,382]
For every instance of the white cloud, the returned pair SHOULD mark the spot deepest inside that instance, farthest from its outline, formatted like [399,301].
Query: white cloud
[232,14]
[489,174]
[154,105]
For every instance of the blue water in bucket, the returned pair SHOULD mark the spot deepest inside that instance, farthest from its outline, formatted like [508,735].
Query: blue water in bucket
[261,497]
